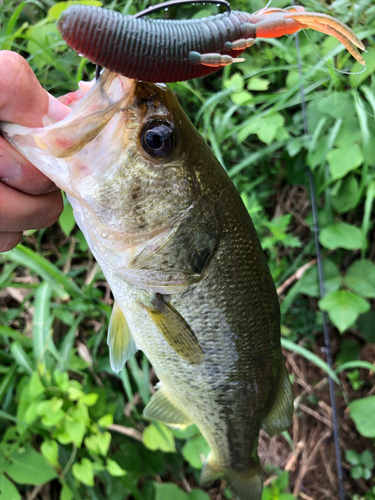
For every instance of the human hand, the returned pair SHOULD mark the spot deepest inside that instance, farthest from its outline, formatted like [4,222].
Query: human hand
[28,199]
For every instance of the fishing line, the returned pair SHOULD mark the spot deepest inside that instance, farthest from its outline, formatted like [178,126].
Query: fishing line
[343,72]
[327,339]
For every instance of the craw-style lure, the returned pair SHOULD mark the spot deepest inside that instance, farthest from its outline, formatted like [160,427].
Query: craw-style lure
[158,50]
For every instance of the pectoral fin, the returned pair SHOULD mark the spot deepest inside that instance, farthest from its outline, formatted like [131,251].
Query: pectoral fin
[175,330]
[162,408]
[120,341]
[281,414]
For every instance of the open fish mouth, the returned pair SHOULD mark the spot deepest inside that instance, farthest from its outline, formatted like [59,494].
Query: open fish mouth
[89,111]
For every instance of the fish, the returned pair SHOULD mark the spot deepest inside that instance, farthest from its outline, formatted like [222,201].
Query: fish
[191,284]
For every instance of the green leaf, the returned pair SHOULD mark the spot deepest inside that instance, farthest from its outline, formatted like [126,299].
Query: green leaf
[360,278]
[75,393]
[82,243]
[36,388]
[344,160]
[309,283]
[282,481]
[341,235]
[235,81]
[105,421]
[159,437]
[366,474]
[367,459]
[50,451]
[56,10]
[90,399]
[70,432]
[84,472]
[29,467]
[169,491]
[349,132]
[266,495]
[7,489]
[257,83]
[346,196]
[356,472]
[104,441]
[352,457]
[366,324]
[265,128]
[66,492]
[357,76]
[349,351]
[343,308]
[92,444]
[196,494]
[362,412]
[195,451]
[67,220]
[114,469]
[186,433]
[242,98]
[337,105]
[40,38]
[294,146]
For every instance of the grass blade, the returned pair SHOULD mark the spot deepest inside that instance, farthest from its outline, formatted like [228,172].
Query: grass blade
[21,358]
[63,286]
[355,365]
[41,324]
[7,380]
[310,356]
[13,334]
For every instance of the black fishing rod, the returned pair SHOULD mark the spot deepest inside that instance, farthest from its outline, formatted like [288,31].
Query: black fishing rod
[327,338]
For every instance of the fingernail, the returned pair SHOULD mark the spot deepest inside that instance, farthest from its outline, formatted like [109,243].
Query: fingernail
[56,109]
[10,169]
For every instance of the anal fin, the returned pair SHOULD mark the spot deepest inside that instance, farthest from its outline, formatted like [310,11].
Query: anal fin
[163,409]
[281,413]
[120,341]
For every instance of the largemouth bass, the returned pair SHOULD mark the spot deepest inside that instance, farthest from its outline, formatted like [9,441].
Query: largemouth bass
[179,250]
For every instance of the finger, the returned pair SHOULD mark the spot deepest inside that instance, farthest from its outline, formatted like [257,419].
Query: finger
[19,173]
[9,240]
[20,211]
[22,99]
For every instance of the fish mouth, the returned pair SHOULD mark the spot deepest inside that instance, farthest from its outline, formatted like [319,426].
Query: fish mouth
[91,108]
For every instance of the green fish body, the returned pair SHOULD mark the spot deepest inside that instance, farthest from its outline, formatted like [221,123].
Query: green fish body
[183,260]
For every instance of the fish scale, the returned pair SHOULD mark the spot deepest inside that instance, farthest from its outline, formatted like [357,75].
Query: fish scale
[184,263]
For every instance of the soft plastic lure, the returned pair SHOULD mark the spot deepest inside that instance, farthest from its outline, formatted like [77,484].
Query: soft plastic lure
[158,50]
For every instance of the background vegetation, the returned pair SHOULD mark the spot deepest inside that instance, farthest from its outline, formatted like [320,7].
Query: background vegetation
[70,427]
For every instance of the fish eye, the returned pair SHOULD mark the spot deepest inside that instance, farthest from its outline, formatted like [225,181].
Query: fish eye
[158,138]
